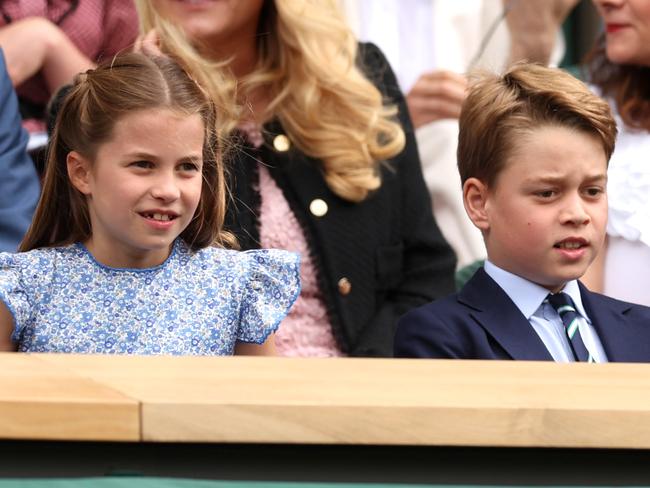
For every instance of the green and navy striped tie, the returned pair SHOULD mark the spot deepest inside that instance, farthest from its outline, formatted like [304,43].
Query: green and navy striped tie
[565,307]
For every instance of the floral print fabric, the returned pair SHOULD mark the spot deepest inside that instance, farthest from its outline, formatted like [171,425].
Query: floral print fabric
[195,303]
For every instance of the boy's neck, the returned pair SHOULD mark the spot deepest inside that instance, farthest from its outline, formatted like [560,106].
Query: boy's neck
[551,288]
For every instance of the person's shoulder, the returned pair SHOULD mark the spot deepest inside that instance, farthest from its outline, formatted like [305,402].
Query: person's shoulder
[243,262]
[37,269]
[454,310]
[205,255]
[41,257]
[440,329]
[271,256]
[372,61]
[442,312]
[616,305]
[370,53]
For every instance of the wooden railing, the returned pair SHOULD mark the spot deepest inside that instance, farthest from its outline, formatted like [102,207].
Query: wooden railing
[324,401]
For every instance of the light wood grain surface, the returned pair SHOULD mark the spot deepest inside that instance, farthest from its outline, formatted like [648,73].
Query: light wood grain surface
[42,401]
[372,401]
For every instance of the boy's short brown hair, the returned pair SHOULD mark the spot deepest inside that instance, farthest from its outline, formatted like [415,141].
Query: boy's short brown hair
[501,108]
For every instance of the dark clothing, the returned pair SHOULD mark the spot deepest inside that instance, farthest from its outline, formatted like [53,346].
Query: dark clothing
[388,247]
[482,322]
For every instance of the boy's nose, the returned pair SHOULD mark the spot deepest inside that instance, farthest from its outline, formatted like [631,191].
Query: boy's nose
[575,212]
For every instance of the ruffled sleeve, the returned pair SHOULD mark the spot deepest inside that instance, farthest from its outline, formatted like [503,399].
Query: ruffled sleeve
[13,291]
[272,285]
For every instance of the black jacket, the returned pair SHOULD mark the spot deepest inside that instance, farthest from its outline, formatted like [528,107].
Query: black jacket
[375,259]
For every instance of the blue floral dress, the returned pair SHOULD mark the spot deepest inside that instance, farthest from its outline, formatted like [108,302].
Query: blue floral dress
[196,302]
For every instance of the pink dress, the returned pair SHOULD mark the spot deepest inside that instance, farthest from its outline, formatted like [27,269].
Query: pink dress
[306,330]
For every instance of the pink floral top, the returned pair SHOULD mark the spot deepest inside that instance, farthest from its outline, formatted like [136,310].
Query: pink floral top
[306,330]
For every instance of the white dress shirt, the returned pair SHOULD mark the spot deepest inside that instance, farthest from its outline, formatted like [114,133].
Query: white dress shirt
[530,299]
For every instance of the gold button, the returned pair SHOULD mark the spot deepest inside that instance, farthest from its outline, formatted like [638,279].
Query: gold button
[345,287]
[281,143]
[318,207]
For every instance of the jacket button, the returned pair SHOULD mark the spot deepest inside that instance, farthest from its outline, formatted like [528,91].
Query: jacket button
[345,287]
[281,143]
[318,207]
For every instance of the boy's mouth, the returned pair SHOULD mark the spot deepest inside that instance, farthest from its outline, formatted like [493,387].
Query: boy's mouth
[570,244]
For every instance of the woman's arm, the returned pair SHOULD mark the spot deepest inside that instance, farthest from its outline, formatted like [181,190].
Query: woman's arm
[6,328]
[249,349]
[35,44]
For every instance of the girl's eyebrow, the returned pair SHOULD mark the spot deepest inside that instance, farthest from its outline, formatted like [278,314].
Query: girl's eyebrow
[153,157]
[140,154]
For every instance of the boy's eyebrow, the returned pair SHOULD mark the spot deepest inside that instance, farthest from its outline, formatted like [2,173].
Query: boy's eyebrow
[559,179]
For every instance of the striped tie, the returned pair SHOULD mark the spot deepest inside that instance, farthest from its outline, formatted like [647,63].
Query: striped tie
[564,306]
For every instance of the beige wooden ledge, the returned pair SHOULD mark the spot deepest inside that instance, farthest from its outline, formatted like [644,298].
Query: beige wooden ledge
[43,401]
[328,401]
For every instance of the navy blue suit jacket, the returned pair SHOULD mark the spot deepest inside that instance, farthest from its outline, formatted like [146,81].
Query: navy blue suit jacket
[482,322]
[19,185]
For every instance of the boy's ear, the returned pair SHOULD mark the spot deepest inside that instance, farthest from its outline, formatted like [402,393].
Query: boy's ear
[79,171]
[475,194]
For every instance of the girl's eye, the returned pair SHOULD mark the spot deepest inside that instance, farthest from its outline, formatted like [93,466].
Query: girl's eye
[142,164]
[189,166]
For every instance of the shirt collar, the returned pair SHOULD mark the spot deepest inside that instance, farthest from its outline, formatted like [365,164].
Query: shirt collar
[526,295]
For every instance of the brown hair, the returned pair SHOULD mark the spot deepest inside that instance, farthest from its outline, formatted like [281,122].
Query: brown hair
[627,85]
[96,100]
[500,108]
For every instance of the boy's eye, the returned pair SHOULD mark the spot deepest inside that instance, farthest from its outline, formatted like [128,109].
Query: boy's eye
[545,193]
[594,191]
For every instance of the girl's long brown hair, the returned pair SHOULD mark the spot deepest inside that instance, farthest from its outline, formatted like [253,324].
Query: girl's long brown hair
[86,118]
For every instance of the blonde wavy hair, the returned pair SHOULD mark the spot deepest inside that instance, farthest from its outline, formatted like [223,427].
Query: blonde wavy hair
[307,63]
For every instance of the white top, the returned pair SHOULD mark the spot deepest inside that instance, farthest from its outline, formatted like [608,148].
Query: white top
[628,228]
[529,298]
[629,186]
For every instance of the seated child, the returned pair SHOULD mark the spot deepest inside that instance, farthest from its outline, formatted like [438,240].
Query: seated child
[124,254]
[533,151]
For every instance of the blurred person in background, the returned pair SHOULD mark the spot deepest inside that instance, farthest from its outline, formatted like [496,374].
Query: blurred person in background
[19,186]
[433,44]
[619,69]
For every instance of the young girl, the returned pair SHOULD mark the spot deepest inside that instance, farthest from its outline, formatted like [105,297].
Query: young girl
[120,256]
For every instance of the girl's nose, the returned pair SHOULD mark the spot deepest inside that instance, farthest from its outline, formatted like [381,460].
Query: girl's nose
[165,188]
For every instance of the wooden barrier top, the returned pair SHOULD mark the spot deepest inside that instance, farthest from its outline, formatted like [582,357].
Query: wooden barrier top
[325,401]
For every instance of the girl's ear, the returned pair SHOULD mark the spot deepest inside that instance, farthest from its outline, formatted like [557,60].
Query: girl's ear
[79,171]
[475,196]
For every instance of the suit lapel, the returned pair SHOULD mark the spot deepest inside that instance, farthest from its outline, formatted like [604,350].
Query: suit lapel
[620,338]
[500,317]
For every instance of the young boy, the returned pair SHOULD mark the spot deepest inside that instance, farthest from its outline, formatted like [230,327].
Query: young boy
[533,150]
